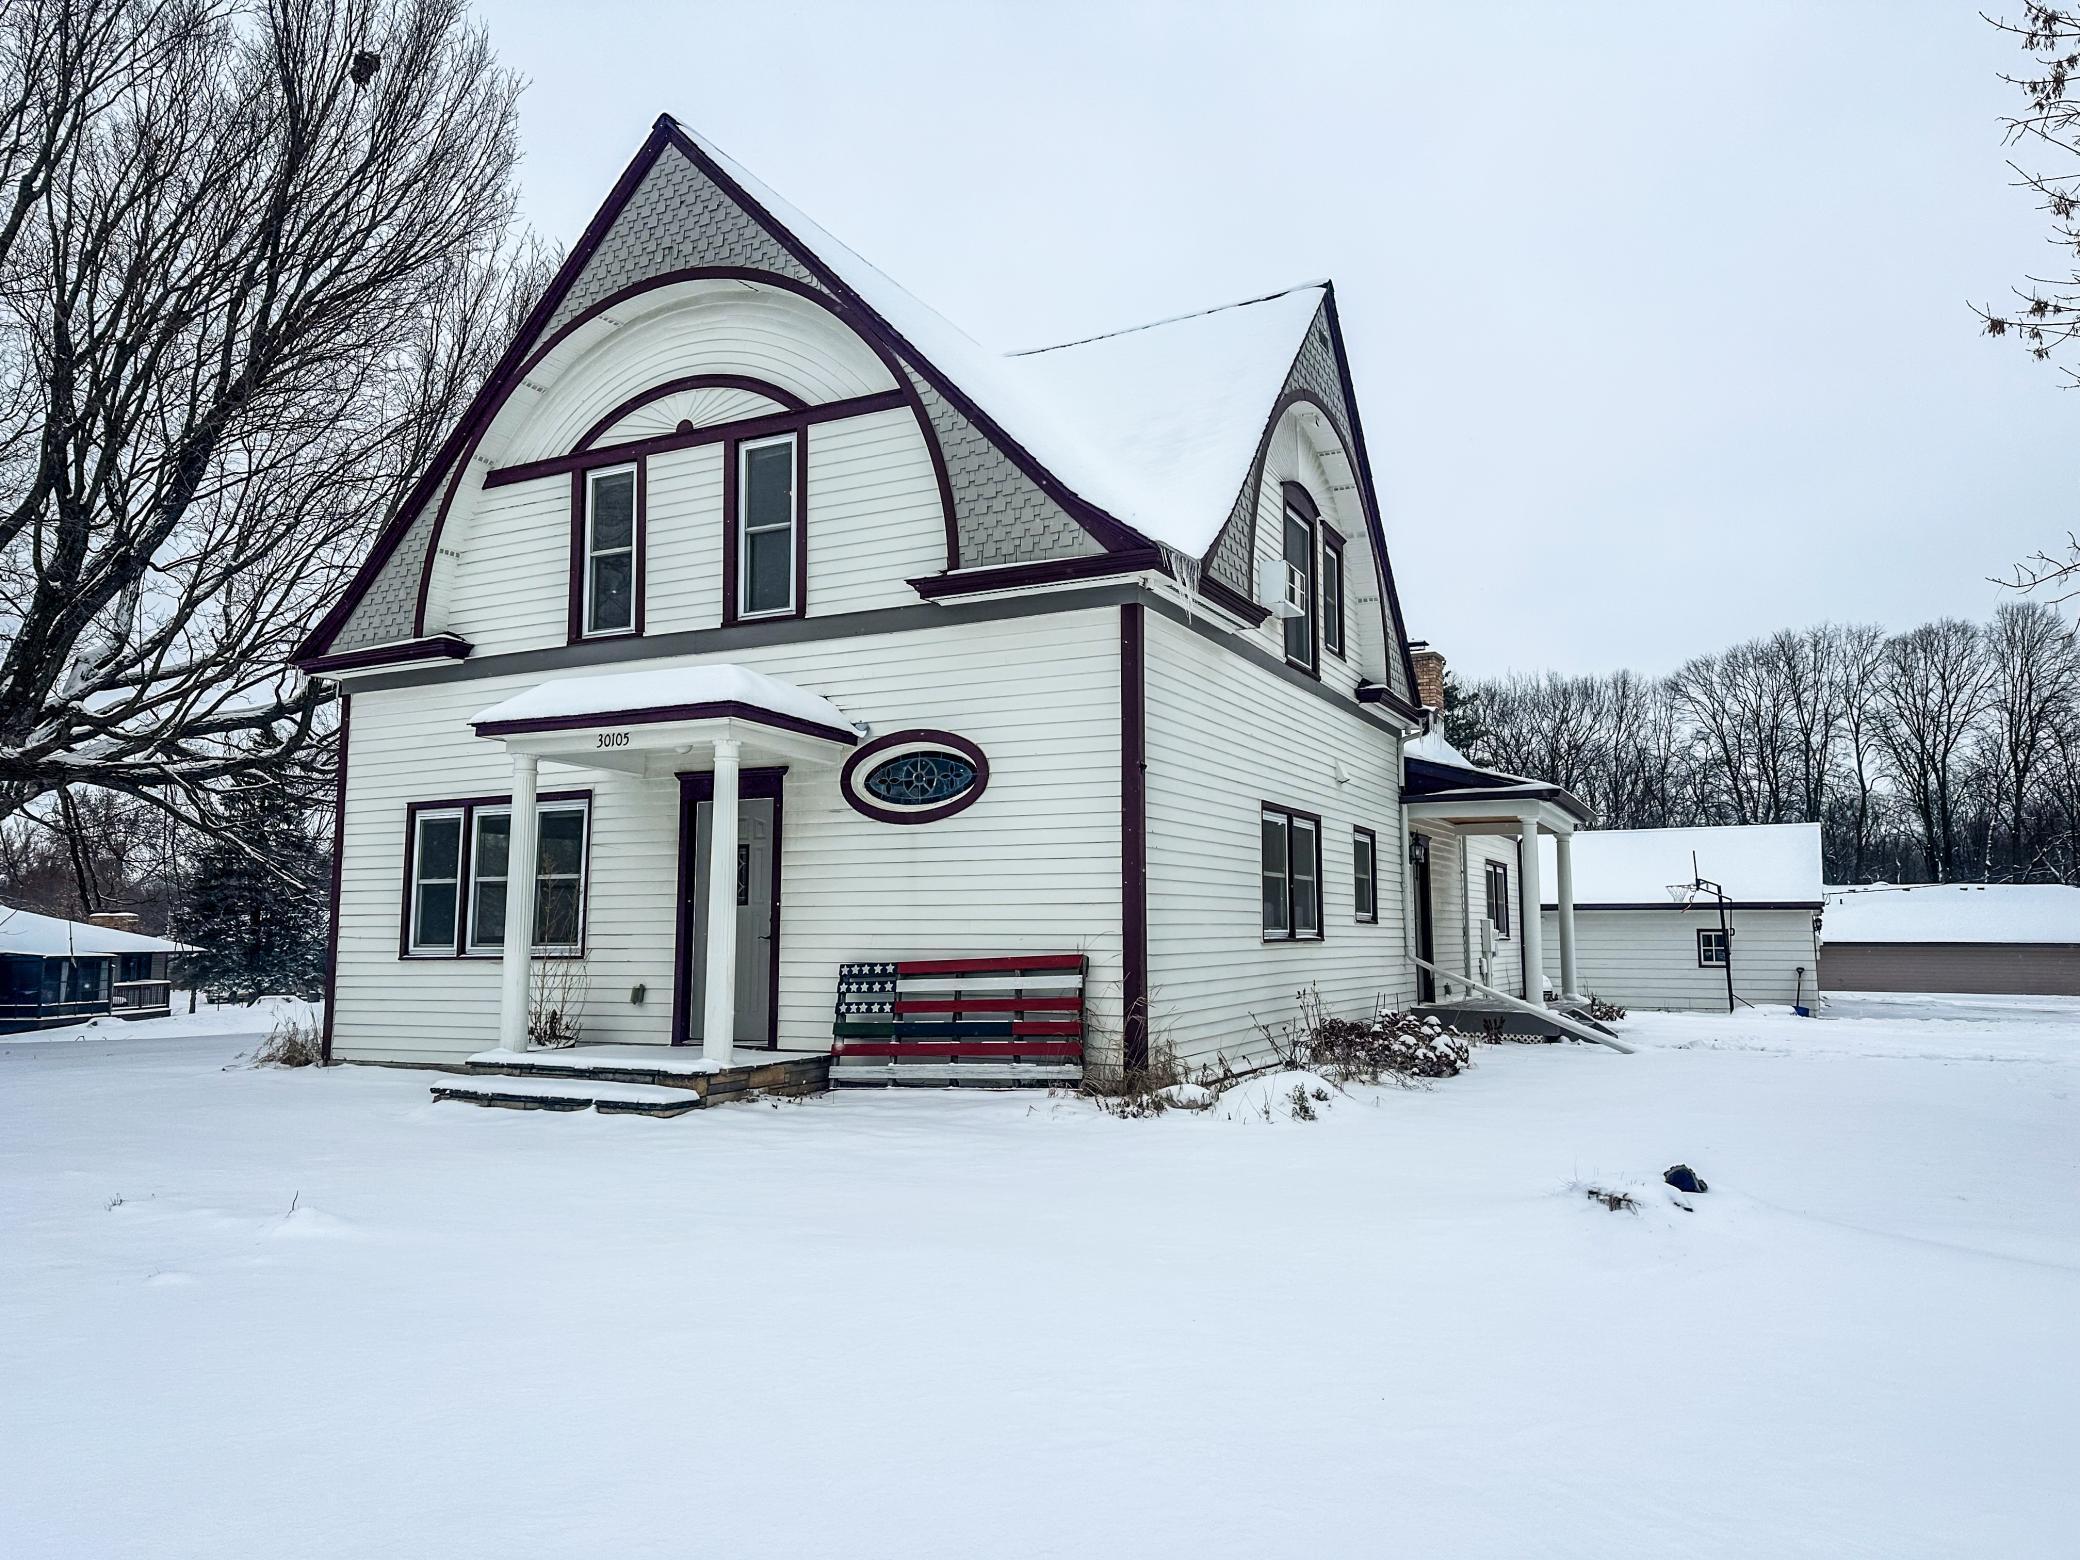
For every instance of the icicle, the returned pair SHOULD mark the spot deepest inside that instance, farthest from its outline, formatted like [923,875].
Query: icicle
[1184,568]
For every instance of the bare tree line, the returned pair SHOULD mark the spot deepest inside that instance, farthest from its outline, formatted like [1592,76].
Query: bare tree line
[1948,752]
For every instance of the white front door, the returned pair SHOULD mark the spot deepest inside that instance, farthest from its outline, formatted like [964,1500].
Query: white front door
[756,924]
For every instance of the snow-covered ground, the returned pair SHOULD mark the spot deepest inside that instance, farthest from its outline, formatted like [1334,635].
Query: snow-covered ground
[262,1313]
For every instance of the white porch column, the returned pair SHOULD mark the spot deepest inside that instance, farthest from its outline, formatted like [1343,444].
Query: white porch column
[1530,917]
[719,1015]
[1563,890]
[519,946]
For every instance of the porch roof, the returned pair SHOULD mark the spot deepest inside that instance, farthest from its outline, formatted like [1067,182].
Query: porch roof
[666,696]
[1435,772]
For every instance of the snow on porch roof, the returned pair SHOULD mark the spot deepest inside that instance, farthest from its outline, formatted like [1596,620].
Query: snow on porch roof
[678,693]
[1954,913]
[1156,425]
[52,937]
[1764,863]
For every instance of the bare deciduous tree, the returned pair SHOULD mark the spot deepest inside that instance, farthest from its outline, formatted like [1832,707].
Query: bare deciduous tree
[253,255]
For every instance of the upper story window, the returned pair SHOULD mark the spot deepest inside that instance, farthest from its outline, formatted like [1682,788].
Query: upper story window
[1332,592]
[767,528]
[609,572]
[1300,562]
[1291,869]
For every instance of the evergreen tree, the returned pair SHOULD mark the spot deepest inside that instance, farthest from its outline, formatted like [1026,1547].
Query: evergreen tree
[256,906]
[1465,723]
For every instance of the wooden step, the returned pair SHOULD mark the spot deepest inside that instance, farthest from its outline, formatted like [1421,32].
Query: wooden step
[609,1099]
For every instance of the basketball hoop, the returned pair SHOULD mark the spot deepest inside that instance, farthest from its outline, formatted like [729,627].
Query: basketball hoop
[1684,894]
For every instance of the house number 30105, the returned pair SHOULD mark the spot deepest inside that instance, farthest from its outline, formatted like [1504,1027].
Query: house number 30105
[610,739]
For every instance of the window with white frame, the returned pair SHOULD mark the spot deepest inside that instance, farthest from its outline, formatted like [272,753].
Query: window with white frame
[1711,948]
[1291,871]
[610,564]
[1299,557]
[559,884]
[767,526]
[1365,874]
[436,898]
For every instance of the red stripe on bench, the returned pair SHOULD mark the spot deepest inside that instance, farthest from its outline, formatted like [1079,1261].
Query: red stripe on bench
[977,1048]
[1048,1026]
[989,1004]
[1002,966]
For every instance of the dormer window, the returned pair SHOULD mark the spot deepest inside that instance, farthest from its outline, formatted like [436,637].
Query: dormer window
[609,557]
[767,528]
[1332,592]
[1302,571]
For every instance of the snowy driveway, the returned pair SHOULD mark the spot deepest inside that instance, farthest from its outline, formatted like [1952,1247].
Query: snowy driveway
[928,1325]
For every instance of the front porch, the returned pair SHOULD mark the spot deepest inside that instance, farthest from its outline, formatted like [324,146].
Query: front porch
[640,1080]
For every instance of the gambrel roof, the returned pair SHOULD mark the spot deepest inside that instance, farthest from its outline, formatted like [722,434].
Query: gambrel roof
[1136,449]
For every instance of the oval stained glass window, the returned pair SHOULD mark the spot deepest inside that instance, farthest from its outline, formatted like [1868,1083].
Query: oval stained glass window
[919,779]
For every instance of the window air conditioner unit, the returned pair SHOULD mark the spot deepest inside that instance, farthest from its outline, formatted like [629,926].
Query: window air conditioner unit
[1281,588]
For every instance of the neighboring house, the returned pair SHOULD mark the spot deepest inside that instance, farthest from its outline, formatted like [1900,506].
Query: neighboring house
[2022,938]
[745,554]
[1642,946]
[54,971]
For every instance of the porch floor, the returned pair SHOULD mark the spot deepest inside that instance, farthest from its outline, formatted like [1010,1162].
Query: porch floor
[1483,1015]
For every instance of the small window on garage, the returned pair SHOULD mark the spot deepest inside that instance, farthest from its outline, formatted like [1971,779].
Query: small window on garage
[1711,948]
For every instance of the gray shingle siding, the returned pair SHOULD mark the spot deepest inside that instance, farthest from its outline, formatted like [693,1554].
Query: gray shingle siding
[677,218]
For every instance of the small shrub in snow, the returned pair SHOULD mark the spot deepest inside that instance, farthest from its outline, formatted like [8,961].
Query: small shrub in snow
[556,1004]
[293,1042]
[1604,1012]
[1392,1048]
[1617,1202]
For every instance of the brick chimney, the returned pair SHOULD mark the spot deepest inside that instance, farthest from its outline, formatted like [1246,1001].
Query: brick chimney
[1429,667]
[116,920]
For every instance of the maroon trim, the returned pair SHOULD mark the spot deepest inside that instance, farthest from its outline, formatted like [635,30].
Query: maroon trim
[695,787]
[434,647]
[639,556]
[763,426]
[1298,500]
[1007,964]
[1111,533]
[1133,831]
[1331,543]
[1053,571]
[1230,600]
[339,861]
[468,807]
[864,759]
[473,420]
[732,527]
[715,709]
[772,392]
[574,614]
[1321,876]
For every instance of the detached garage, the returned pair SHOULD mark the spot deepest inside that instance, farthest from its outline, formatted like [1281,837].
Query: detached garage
[1693,919]
[2020,939]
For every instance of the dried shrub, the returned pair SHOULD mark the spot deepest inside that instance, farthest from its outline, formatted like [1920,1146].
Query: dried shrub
[1617,1202]
[293,1042]
[557,989]
[1604,1012]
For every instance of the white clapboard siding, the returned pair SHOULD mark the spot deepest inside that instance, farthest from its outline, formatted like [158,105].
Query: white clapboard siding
[1224,736]
[1032,866]
[1448,921]
[874,524]
[1648,958]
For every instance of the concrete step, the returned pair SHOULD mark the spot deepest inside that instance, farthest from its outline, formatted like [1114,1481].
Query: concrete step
[609,1099]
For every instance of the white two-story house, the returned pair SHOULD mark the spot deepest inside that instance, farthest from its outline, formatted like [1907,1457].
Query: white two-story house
[744,554]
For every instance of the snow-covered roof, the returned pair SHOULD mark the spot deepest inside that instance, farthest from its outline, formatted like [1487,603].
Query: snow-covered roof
[1156,425]
[1954,913]
[686,691]
[1763,863]
[53,937]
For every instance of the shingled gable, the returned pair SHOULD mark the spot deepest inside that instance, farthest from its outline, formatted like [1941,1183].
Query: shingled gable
[1016,473]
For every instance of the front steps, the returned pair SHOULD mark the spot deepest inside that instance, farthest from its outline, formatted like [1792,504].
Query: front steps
[628,1080]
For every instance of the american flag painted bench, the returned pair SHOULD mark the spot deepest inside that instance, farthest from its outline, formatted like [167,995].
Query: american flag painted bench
[999,1022]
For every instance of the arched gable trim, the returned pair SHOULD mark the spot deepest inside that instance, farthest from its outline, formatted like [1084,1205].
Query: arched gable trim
[491,403]
[643,398]
[1392,630]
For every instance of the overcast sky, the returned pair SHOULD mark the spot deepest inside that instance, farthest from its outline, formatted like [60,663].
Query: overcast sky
[1658,313]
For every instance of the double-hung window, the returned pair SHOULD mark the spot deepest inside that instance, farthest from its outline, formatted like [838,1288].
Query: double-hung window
[559,882]
[768,528]
[1300,563]
[1365,874]
[1711,948]
[1498,896]
[610,567]
[1291,871]
[1332,592]
[460,859]
[436,898]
